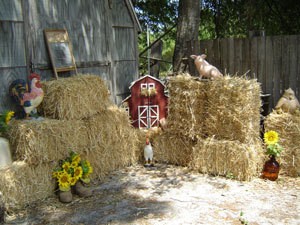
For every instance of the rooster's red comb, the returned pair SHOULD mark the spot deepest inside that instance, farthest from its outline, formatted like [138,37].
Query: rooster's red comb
[34,75]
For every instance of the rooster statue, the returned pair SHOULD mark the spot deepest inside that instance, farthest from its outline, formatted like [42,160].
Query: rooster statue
[28,99]
[148,153]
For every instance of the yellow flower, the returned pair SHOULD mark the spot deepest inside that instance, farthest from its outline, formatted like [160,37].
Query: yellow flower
[271,137]
[74,164]
[64,181]
[76,159]
[8,117]
[66,166]
[73,181]
[78,172]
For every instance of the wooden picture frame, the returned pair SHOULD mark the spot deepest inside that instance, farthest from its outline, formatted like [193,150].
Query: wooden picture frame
[60,50]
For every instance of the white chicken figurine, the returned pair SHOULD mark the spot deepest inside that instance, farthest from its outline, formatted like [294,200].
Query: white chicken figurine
[148,153]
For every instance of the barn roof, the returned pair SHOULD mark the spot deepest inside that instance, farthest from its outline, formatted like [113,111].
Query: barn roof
[141,78]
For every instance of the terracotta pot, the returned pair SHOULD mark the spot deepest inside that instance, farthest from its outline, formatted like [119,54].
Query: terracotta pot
[271,169]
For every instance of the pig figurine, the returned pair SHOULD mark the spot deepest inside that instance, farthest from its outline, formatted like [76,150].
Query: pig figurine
[204,68]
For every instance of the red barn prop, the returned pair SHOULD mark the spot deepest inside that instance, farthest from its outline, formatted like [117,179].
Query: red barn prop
[147,104]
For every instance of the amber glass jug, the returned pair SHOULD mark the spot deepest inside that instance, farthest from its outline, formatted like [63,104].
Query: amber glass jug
[271,169]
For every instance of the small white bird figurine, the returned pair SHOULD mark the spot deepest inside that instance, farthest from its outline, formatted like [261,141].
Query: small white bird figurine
[148,153]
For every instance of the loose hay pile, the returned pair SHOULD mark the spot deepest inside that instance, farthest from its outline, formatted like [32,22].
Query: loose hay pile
[288,127]
[102,135]
[227,158]
[75,97]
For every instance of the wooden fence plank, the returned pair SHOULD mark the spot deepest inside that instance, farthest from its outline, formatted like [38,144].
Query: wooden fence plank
[223,55]
[231,63]
[238,56]
[277,70]
[269,65]
[292,46]
[253,57]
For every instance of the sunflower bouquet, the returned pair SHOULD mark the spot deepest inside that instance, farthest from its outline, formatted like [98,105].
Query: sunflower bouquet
[71,170]
[5,117]
[271,139]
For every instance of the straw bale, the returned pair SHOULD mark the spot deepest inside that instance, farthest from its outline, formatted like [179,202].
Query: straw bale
[186,106]
[113,141]
[227,158]
[22,184]
[173,148]
[233,109]
[74,97]
[42,141]
[288,128]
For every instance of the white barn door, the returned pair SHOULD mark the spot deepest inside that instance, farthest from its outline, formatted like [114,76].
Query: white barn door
[148,116]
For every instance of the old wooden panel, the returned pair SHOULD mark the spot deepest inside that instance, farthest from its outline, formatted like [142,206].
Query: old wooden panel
[224,55]
[292,46]
[238,56]
[125,71]
[269,65]
[230,57]
[253,57]
[285,62]
[277,70]
[261,63]
[12,47]
[298,68]
[123,42]
[120,14]
[11,10]
[246,57]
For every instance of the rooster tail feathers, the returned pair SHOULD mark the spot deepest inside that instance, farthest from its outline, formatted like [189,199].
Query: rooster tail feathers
[17,89]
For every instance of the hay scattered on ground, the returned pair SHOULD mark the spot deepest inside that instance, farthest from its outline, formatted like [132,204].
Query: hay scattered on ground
[186,106]
[74,97]
[233,109]
[288,128]
[173,148]
[22,184]
[232,159]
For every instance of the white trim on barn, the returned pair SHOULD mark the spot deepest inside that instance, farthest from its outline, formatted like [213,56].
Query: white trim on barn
[154,78]
[148,116]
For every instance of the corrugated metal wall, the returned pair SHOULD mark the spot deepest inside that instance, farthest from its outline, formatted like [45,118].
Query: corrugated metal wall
[103,34]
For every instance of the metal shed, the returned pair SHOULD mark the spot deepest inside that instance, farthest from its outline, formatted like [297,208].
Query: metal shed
[103,34]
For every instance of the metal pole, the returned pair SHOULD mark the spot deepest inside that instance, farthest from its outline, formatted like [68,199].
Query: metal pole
[148,44]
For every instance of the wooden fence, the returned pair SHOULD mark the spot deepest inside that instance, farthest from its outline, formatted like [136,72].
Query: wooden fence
[273,60]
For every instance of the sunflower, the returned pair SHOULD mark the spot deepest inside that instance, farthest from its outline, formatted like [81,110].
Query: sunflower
[73,181]
[76,159]
[8,117]
[78,172]
[66,166]
[271,137]
[64,181]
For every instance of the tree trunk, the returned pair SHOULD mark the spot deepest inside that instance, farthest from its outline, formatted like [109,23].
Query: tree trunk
[187,42]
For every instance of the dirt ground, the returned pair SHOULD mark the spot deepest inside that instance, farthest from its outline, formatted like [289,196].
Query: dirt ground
[167,194]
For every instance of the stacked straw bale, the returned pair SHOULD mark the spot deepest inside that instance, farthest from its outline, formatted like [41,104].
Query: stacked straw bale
[47,140]
[187,106]
[233,109]
[96,129]
[227,158]
[75,97]
[226,111]
[173,148]
[288,127]
[22,184]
